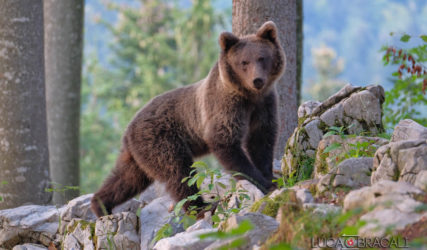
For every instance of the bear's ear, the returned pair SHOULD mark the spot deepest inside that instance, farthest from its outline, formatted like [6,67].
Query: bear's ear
[268,31]
[227,40]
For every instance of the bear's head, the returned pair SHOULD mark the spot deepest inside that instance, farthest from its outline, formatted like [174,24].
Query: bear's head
[253,63]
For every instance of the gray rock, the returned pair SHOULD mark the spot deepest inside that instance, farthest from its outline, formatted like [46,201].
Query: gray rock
[153,217]
[364,106]
[119,230]
[384,193]
[306,109]
[78,208]
[244,186]
[421,181]
[351,173]
[264,226]
[303,195]
[29,246]
[408,130]
[185,240]
[389,206]
[358,109]
[314,133]
[325,162]
[70,242]
[381,221]
[199,225]
[80,231]
[131,205]
[154,191]
[333,115]
[30,223]
[400,161]
[322,209]
[343,93]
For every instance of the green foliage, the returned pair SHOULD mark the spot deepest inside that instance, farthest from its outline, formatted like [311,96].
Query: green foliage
[235,234]
[271,205]
[407,97]
[157,46]
[334,130]
[201,172]
[165,231]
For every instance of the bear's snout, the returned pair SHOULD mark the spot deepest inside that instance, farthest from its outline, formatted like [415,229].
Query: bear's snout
[258,83]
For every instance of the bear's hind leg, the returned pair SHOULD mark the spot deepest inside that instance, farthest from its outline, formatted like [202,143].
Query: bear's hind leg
[126,181]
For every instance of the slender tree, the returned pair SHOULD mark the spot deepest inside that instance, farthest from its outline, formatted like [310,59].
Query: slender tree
[63,55]
[248,16]
[24,156]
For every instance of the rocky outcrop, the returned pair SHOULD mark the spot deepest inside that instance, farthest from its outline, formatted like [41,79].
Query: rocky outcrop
[117,231]
[388,205]
[408,130]
[338,110]
[334,149]
[400,161]
[29,224]
[389,189]
[351,173]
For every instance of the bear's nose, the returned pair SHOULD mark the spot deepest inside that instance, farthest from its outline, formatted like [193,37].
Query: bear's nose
[258,83]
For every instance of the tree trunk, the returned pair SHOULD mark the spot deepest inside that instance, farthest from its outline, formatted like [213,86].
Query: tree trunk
[63,55]
[24,156]
[248,16]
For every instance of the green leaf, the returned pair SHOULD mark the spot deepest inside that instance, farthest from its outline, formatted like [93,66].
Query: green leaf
[192,181]
[331,147]
[215,218]
[179,206]
[424,37]
[405,38]
[329,133]
[222,185]
[200,181]
[243,227]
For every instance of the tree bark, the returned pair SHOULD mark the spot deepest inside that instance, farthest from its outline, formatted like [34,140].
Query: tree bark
[248,16]
[63,55]
[24,156]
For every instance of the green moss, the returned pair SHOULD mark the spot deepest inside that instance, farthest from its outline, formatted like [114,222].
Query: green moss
[271,206]
[301,120]
[322,166]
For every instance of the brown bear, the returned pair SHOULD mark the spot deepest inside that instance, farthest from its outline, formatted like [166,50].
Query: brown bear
[231,113]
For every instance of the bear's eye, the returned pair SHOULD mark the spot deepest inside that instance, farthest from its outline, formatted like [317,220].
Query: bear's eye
[261,59]
[244,63]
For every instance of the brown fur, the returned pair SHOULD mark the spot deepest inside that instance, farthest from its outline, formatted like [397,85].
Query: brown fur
[231,113]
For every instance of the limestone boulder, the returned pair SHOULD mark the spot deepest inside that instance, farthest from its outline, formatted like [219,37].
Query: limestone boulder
[29,246]
[153,217]
[389,207]
[79,235]
[117,231]
[28,224]
[185,240]
[79,208]
[355,108]
[351,173]
[408,130]
[263,227]
[400,161]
